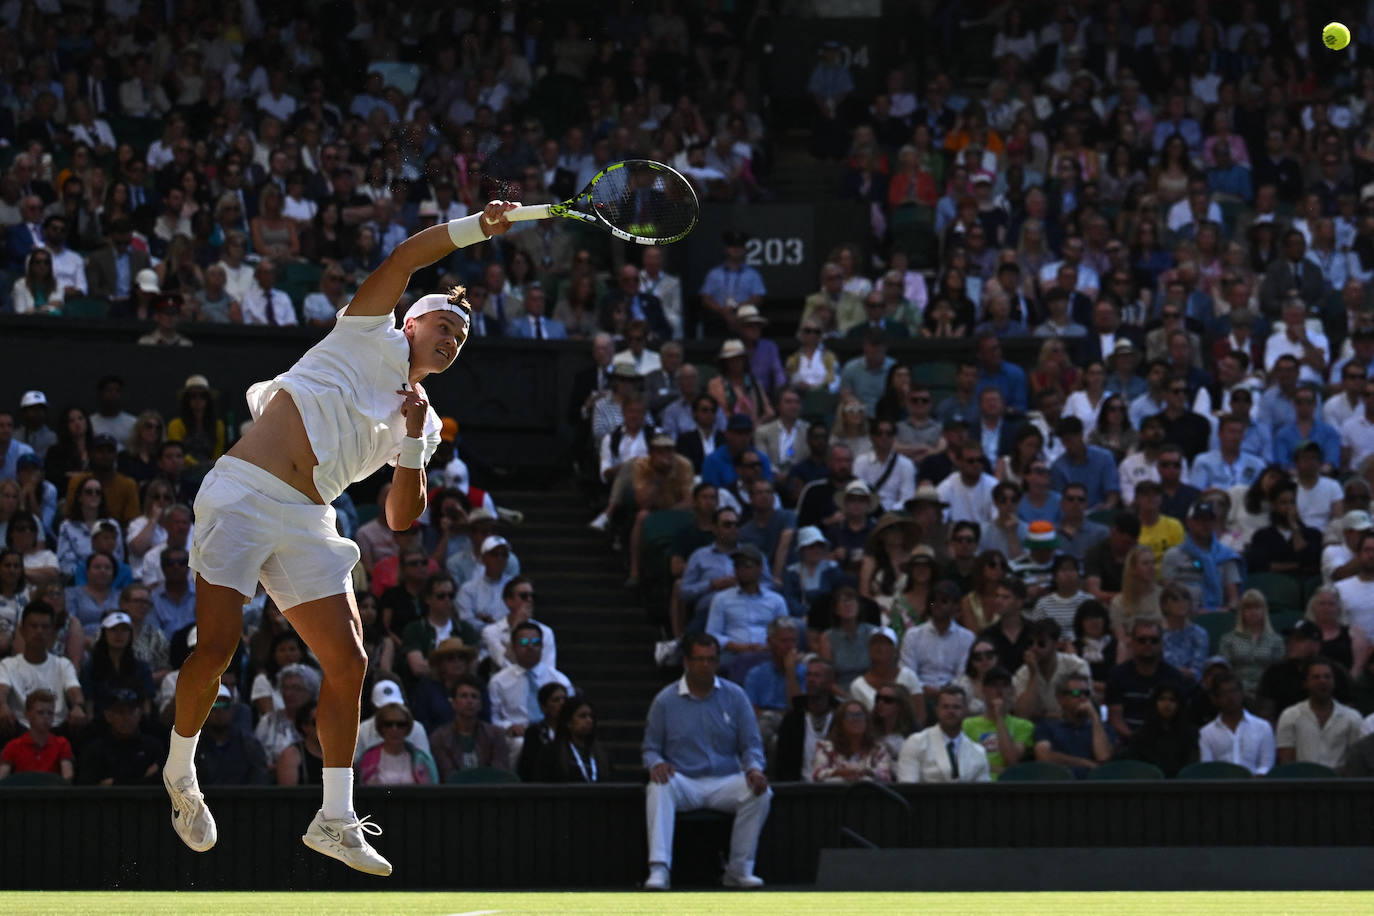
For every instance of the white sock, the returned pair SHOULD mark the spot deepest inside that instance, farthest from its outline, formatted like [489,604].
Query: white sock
[181,756]
[338,792]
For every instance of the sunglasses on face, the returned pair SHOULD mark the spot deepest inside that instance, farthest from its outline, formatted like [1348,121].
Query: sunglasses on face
[415,562]
[884,698]
[964,539]
[919,399]
[983,656]
[443,596]
[1147,640]
[1077,694]
[751,464]
[525,596]
[391,723]
[529,641]
[728,524]
[1171,464]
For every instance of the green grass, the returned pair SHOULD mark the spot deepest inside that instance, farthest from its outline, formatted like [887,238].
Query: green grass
[150,903]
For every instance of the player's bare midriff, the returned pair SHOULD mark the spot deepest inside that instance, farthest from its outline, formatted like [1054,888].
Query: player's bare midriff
[277,443]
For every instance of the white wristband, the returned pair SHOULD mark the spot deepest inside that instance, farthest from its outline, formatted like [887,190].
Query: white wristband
[412,453]
[466,231]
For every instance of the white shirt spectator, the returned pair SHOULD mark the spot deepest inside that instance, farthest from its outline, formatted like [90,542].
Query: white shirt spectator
[967,503]
[1313,742]
[1251,745]
[1278,345]
[899,484]
[97,134]
[68,269]
[668,289]
[317,307]
[1088,281]
[301,210]
[237,280]
[496,643]
[1357,434]
[1334,556]
[866,693]
[1080,406]
[479,598]
[257,309]
[56,674]
[1338,409]
[1357,597]
[509,689]
[936,659]
[629,447]
[647,361]
[281,107]
[1180,214]
[1314,504]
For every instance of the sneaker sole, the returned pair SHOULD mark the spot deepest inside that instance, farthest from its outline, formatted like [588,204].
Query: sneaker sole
[334,854]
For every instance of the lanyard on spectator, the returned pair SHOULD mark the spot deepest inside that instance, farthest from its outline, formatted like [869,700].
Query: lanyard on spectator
[582,765]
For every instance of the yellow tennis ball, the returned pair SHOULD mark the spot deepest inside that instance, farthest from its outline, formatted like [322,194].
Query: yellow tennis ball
[1335,36]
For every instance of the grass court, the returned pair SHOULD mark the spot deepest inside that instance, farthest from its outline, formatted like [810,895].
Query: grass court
[574,903]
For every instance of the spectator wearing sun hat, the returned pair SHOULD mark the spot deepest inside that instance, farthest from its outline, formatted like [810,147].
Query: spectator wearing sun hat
[765,362]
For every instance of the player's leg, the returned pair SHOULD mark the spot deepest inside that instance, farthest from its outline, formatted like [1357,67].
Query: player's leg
[331,628]
[219,626]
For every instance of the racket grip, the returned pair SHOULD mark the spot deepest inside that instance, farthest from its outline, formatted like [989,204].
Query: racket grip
[533,211]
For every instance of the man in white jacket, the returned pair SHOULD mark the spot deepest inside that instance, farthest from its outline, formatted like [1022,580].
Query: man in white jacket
[942,752]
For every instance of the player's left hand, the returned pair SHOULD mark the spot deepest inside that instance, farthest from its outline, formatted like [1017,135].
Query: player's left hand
[414,408]
[757,781]
[493,220]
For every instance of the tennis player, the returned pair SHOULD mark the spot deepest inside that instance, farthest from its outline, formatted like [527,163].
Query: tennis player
[352,403]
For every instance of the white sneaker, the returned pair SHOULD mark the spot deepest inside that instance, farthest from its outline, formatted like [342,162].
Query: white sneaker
[191,819]
[748,882]
[600,523]
[658,878]
[342,838]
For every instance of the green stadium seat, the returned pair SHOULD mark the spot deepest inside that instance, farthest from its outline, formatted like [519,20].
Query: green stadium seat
[482,776]
[818,406]
[1216,625]
[935,374]
[1283,592]
[1214,769]
[1309,588]
[1301,769]
[1103,517]
[1036,771]
[660,528]
[80,307]
[1127,769]
[1282,620]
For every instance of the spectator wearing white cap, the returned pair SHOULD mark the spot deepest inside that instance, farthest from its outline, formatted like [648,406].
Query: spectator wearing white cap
[883,668]
[518,596]
[386,693]
[814,575]
[146,290]
[32,429]
[1338,560]
[479,598]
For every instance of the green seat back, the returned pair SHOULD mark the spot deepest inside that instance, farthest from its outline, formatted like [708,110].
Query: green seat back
[15,780]
[1301,769]
[1282,620]
[81,307]
[1214,769]
[1284,592]
[1127,769]
[1036,771]
[1217,625]
[818,406]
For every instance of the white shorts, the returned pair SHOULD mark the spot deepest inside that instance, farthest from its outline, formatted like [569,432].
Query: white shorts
[251,527]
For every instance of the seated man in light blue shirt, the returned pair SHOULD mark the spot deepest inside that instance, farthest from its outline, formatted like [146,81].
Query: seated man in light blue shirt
[711,570]
[865,376]
[998,373]
[1089,465]
[1308,427]
[703,750]
[739,616]
[1228,465]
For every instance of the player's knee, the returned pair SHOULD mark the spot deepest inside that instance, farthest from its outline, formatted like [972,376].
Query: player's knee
[347,664]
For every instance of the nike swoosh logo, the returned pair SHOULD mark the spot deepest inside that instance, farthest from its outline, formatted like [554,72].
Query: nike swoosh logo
[331,833]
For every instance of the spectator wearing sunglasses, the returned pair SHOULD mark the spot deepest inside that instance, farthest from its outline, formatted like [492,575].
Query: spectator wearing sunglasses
[396,761]
[518,596]
[515,688]
[1078,738]
[1131,685]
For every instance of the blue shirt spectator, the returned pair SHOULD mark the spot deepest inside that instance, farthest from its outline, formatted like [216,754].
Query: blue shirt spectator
[766,685]
[1089,465]
[1010,380]
[864,380]
[718,469]
[713,736]
[14,449]
[1213,469]
[740,616]
[1049,512]
[171,614]
[1288,438]
[727,284]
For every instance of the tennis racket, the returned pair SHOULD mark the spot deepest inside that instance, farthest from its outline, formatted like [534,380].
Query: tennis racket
[636,200]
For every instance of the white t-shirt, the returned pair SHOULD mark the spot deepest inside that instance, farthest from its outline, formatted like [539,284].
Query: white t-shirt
[1081,406]
[1357,597]
[56,673]
[967,503]
[1314,505]
[1357,434]
[862,691]
[1333,556]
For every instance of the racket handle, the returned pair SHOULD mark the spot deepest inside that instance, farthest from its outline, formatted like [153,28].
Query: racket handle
[533,211]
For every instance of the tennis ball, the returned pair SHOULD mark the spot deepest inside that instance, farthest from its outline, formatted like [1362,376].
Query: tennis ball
[1335,36]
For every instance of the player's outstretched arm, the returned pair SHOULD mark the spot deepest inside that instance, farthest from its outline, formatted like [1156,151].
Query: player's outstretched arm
[382,289]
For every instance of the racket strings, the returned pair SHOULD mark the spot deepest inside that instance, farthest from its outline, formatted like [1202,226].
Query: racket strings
[645,201]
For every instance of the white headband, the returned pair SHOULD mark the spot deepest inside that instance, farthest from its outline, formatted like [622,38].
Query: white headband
[437,302]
